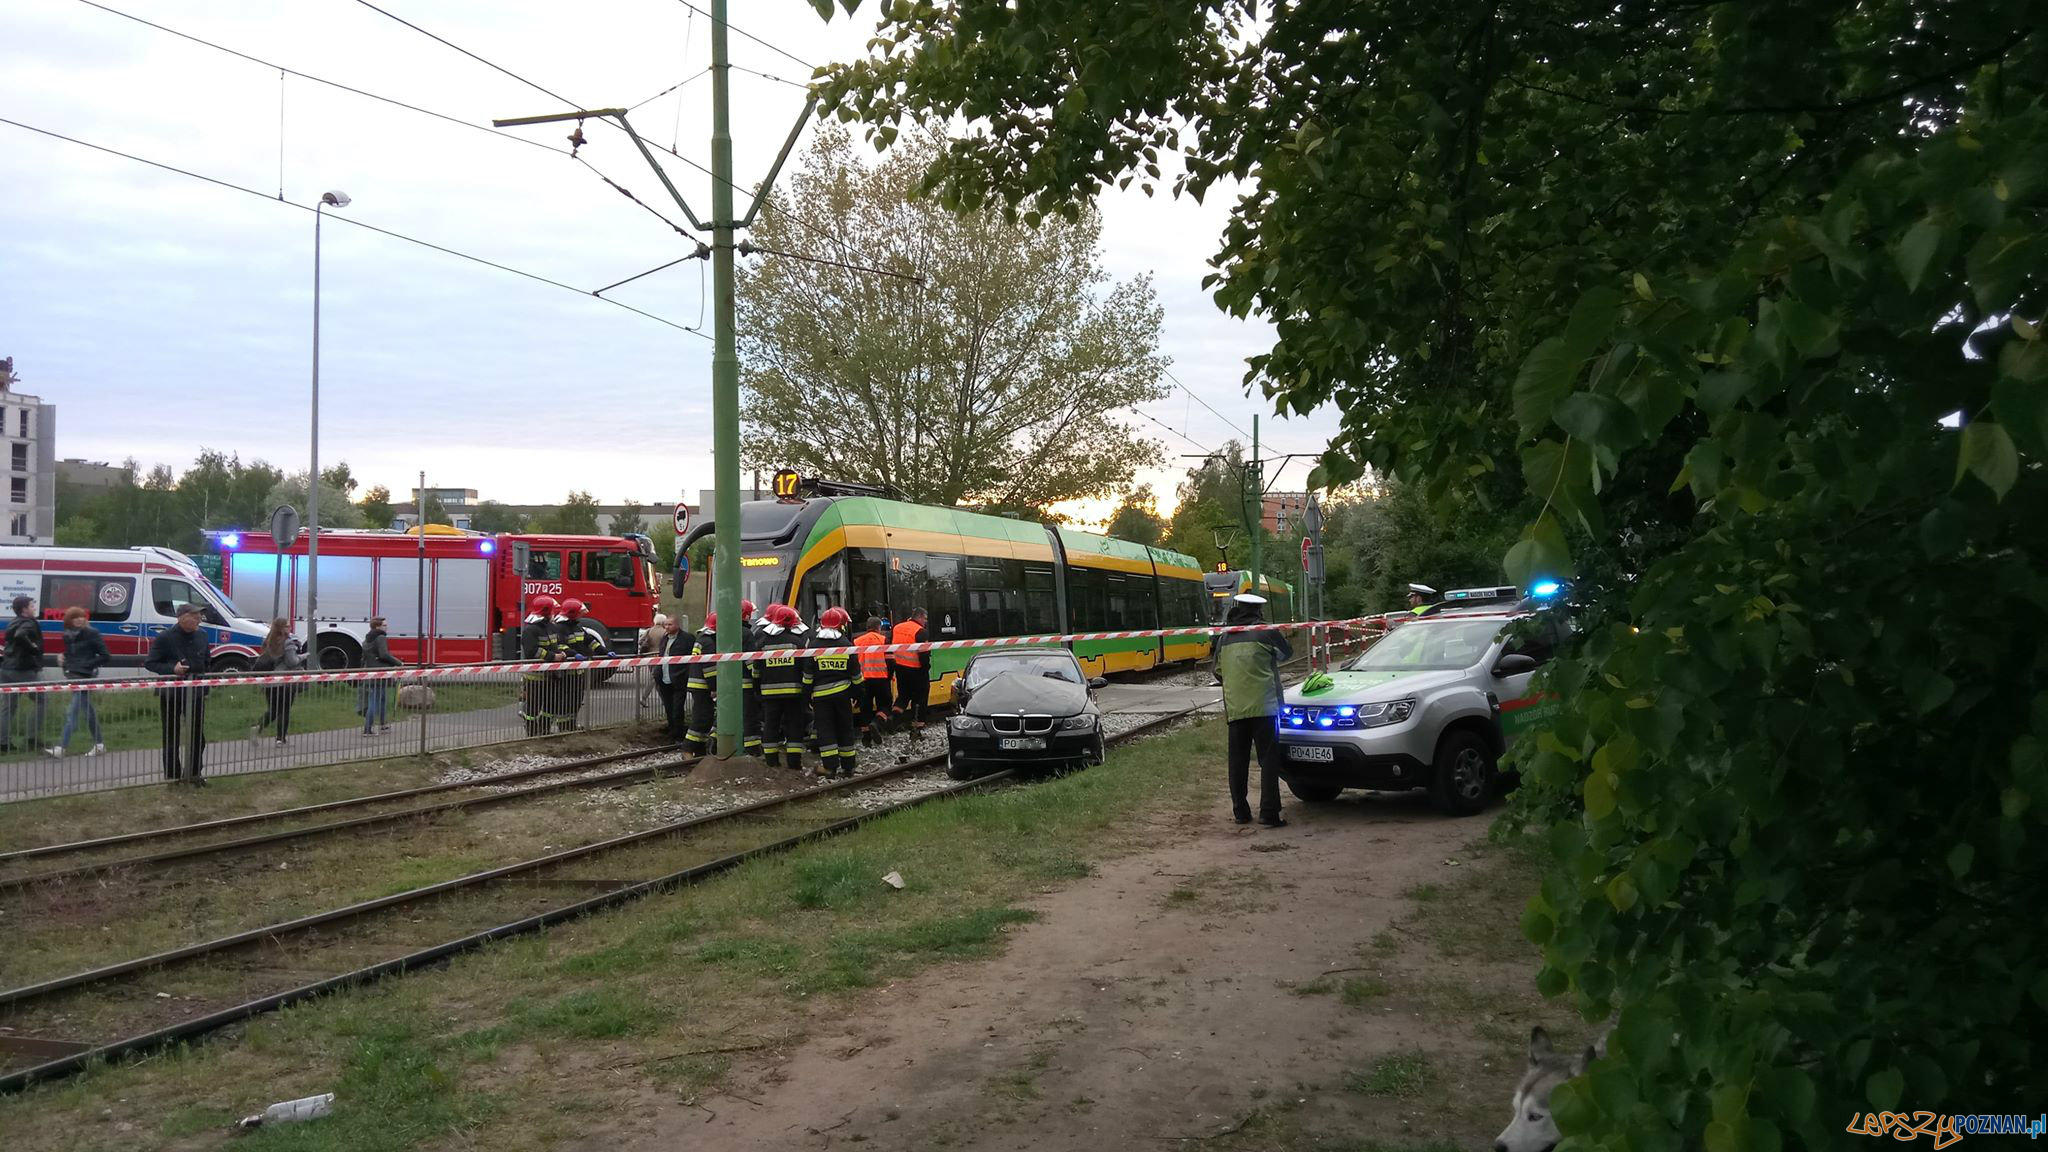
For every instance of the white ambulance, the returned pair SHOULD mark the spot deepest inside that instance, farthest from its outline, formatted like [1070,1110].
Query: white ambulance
[130,594]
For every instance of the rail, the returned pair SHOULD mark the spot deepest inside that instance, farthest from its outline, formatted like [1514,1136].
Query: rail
[188,1028]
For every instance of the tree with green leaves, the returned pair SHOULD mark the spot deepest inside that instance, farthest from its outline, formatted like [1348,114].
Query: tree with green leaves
[629,518]
[494,517]
[1732,313]
[335,510]
[576,515]
[997,381]
[1137,518]
[376,507]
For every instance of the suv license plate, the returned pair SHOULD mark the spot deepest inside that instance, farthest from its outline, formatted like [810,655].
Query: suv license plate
[1319,753]
[1021,744]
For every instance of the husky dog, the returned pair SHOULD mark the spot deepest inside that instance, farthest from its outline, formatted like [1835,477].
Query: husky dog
[1532,1129]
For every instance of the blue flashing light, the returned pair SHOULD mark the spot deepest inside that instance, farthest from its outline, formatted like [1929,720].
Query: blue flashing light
[487,546]
[1295,721]
[1347,711]
[229,541]
[1328,722]
[1545,588]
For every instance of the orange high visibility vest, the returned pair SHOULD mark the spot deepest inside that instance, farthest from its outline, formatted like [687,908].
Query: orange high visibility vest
[908,632]
[873,665]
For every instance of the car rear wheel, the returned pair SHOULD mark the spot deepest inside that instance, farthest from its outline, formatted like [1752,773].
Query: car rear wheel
[1315,792]
[1462,777]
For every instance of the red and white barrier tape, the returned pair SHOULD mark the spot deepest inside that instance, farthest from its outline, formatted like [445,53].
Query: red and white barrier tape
[456,671]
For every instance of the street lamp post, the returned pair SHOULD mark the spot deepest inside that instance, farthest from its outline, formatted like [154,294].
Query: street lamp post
[327,200]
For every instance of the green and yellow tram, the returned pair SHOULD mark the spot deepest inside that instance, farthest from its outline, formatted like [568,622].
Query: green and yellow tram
[1227,582]
[976,575]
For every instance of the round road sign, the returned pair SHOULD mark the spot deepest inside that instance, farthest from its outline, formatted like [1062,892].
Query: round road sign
[682,519]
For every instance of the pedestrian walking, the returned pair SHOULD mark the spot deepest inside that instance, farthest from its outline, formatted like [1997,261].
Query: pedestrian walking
[85,653]
[913,671]
[1249,665]
[671,680]
[181,655]
[834,679]
[537,643]
[21,662]
[376,694]
[874,682]
[281,652]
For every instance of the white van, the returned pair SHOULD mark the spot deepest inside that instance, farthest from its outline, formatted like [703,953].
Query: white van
[131,595]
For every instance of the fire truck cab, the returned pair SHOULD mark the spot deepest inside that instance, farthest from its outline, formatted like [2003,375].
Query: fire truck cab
[469,592]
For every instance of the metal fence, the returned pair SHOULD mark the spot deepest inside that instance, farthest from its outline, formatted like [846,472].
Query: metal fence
[61,738]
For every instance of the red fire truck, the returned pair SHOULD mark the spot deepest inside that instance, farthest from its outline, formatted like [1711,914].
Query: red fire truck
[470,592]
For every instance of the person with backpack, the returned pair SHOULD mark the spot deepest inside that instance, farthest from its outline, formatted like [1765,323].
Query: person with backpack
[85,653]
[21,662]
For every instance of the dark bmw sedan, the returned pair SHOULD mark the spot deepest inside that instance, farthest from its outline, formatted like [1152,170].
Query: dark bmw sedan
[1022,706]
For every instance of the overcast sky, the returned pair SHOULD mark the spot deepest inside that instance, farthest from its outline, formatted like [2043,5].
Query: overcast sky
[163,314]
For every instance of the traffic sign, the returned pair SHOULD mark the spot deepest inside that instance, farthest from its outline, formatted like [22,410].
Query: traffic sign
[1306,543]
[284,526]
[1312,519]
[682,518]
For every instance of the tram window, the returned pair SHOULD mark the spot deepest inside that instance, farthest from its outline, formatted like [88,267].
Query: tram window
[1087,597]
[1041,602]
[943,595]
[1116,593]
[867,590]
[1142,610]
[984,601]
[821,588]
[1012,572]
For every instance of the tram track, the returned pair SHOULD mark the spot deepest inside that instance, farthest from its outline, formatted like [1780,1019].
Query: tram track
[118,1006]
[675,763]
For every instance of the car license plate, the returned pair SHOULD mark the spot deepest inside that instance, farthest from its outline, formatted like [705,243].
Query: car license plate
[1021,743]
[1319,753]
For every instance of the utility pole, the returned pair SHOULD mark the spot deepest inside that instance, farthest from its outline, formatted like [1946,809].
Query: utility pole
[725,360]
[725,395]
[1257,476]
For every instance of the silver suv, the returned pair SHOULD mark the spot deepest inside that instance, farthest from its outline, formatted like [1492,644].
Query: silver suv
[1432,705]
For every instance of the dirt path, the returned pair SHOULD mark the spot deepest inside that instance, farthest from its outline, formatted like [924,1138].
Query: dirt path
[1247,987]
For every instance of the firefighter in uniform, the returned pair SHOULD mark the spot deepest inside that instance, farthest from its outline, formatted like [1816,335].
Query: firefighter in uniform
[874,682]
[781,671]
[703,688]
[575,642]
[750,724]
[537,643]
[834,680]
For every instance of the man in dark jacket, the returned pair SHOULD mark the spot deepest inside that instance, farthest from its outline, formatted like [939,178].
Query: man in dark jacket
[1249,665]
[670,679]
[181,653]
[376,694]
[21,662]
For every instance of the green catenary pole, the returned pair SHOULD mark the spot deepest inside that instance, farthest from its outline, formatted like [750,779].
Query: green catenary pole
[725,396]
[1258,494]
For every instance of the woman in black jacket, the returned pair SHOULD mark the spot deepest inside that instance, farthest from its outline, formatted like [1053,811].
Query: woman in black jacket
[85,653]
[280,653]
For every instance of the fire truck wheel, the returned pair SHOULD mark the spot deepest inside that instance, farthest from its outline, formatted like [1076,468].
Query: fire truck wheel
[337,653]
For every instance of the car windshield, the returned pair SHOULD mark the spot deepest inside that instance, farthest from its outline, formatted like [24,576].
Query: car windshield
[1430,646]
[1057,667]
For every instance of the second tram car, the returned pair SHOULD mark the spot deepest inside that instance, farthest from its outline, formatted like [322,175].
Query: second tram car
[976,575]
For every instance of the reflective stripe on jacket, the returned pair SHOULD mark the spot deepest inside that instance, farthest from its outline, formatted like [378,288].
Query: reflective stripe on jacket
[909,632]
[831,674]
[873,665]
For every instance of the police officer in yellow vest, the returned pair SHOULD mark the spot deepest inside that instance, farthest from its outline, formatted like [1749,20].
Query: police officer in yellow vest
[1419,597]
